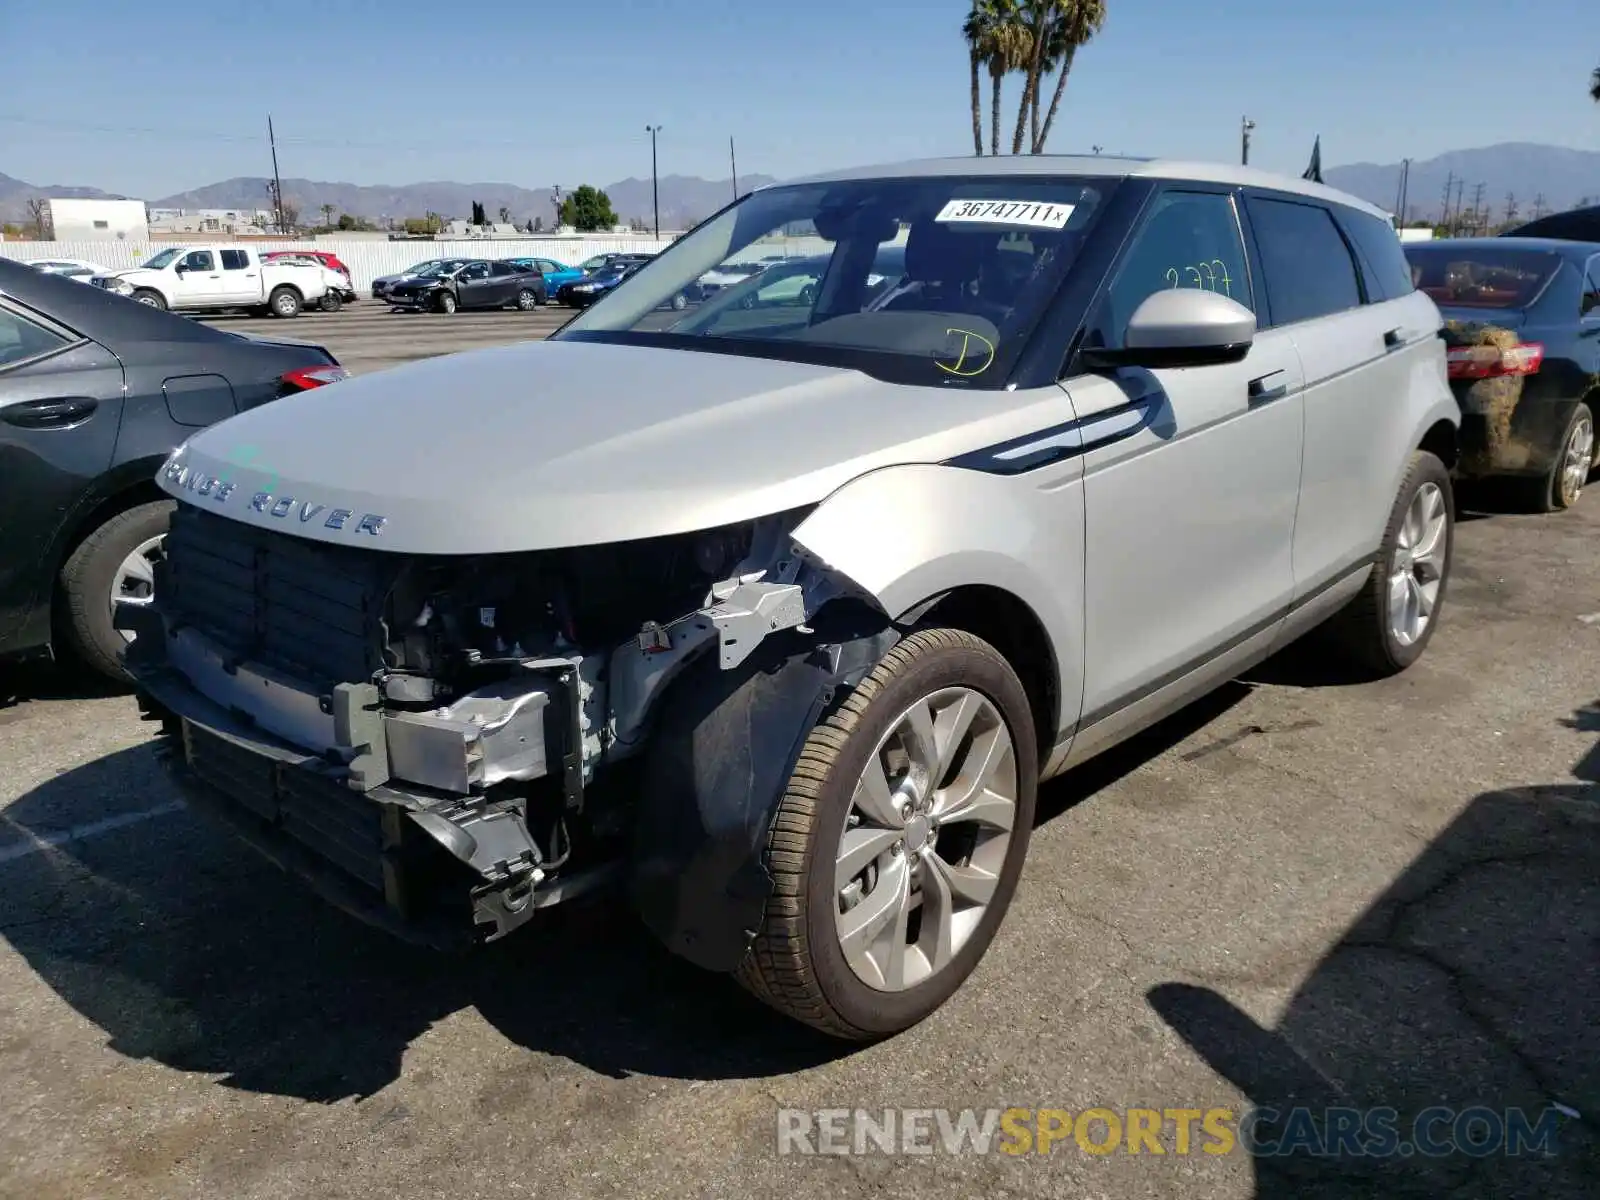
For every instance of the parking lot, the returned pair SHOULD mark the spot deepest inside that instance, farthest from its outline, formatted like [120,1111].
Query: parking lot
[1301,891]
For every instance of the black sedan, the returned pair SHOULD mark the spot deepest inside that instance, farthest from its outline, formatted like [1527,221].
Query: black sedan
[470,283]
[95,392]
[1523,326]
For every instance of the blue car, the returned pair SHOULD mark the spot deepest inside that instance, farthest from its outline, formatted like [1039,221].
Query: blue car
[555,273]
[589,288]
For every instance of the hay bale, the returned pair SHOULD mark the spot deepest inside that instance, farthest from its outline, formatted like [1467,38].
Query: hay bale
[1495,398]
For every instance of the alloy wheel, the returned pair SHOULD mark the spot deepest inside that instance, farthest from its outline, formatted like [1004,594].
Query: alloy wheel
[925,839]
[1577,461]
[135,581]
[1417,570]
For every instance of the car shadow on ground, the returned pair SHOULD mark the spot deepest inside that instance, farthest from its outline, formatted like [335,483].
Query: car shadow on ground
[1474,980]
[21,682]
[187,949]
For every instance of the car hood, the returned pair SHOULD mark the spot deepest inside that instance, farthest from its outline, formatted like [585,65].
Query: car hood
[558,443]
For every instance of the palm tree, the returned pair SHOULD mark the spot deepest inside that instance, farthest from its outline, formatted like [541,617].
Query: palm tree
[1037,17]
[1078,24]
[1010,48]
[975,30]
[327,214]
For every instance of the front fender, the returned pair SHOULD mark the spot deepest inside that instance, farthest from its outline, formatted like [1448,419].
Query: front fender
[906,534]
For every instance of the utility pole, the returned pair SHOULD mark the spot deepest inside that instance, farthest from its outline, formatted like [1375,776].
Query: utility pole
[733,165]
[556,199]
[1245,127]
[1538,206]
[1461,185]
[1511,207]
[1479,217]
[277,183]
[655,195]
[1449,186]
[1400,199]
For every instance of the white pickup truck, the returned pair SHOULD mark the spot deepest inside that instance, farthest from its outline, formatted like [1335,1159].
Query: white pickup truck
[194,278]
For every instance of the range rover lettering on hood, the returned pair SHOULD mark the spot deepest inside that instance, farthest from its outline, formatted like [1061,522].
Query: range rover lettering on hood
[221,491]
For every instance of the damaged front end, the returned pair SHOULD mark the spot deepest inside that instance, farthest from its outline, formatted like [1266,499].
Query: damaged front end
[443,746]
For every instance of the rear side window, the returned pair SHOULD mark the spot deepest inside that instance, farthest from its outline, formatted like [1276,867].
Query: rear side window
[1308,268]
[21,339]
[235,260]
[1388,273]
[502,268]
[1485,277]
[1591,288]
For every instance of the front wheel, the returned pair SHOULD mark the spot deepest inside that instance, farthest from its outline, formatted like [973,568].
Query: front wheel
[151,298]
[1389,623]
[112,567]
[898,843]
[284,302]
[447,303]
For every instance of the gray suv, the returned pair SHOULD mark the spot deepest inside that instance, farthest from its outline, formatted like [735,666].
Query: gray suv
[776,613]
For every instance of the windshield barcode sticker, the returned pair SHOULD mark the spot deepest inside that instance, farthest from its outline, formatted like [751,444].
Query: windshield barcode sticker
[1031,213]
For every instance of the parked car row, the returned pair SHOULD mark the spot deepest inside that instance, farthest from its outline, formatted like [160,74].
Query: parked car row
[777,611]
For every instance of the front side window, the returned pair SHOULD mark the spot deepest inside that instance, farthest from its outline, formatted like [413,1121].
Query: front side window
[935,281]
[1307,266]
[1188,240]
[21,339]
[200,260]
[1591,289]
[477,270]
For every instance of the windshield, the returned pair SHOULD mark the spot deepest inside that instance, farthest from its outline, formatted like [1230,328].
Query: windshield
[162,259]
[420,267]
[445,267]
[1459,277]
[935,281]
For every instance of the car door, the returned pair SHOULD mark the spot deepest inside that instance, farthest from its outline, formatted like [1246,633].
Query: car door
[473,287]
[1589,318]
[241,277]
[505,281]
[199,279]
[1357,349]
[60,405]
[1191,476]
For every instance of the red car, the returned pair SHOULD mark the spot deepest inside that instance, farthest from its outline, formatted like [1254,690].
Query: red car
[331,261]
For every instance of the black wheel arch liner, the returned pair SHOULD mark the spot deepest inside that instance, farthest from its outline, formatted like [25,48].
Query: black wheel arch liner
[719,762]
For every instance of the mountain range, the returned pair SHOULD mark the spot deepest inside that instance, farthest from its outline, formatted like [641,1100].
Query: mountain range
[1525,174]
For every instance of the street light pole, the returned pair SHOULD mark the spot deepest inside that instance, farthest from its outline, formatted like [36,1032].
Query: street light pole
[655,194]
[1245,126]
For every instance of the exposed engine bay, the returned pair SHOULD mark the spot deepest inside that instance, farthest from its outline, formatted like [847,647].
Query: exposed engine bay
[492,707]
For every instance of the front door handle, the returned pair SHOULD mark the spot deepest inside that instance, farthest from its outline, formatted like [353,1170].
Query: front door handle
[1264,389]
[61,412]
[1395,339]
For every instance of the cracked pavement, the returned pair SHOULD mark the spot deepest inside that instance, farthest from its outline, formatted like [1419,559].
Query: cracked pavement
[1296,891]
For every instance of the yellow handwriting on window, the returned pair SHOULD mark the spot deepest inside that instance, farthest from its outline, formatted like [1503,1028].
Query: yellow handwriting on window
[1210,276]
[983,354]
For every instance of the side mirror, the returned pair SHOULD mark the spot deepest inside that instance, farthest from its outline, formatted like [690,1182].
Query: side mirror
[1182,327]
[180,267]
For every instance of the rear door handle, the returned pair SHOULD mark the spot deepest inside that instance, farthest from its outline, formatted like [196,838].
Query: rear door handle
[1263,390]
[61,412]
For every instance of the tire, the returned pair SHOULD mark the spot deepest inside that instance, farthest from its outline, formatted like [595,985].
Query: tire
[447,303]
[527,300]
[89,578]
[680,302]
[151,297]
[331,302]
[285,302]
[1363,629]
[1561,486]
[797,963]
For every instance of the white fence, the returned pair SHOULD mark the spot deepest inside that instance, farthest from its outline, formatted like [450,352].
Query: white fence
[366,259]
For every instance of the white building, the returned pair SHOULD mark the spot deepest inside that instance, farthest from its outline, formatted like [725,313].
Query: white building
[97,220]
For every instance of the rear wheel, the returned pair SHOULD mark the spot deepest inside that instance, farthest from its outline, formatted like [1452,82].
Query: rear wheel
[113,566]
[151,297]
[284,302]
[1561,486]
[331,302]
[1391,620]
[527,300]
[898,843]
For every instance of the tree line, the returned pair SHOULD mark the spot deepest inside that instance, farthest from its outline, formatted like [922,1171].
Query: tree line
[1036,39]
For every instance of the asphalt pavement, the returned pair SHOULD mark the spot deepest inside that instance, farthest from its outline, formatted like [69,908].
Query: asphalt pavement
[1300,891]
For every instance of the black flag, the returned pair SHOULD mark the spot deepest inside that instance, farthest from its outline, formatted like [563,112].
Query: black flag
[1314,171]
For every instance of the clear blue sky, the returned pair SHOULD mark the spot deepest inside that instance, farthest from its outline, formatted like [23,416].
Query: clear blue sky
[153,98]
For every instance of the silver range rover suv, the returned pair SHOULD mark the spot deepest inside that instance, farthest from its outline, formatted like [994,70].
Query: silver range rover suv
[776,611]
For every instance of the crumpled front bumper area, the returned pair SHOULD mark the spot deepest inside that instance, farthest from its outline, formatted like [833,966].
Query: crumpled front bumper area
[427,865]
